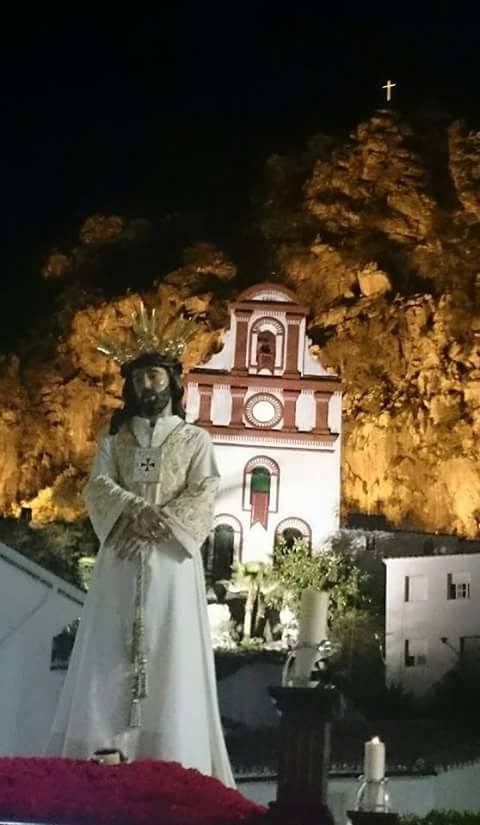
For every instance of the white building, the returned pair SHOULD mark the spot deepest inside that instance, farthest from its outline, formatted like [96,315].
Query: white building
[35,606]
[274,414]
[432,617]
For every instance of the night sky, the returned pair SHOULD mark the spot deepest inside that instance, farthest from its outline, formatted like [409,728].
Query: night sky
[176,113]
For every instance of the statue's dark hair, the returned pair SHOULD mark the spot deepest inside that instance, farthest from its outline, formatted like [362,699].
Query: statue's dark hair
[130,400]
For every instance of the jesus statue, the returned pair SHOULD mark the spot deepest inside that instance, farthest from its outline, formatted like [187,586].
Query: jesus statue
[141,677]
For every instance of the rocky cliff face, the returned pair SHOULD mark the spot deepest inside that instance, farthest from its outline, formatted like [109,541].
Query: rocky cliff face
[380,234]
[382,238]
[59,393]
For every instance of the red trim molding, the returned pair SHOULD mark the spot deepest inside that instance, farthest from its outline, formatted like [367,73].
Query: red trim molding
[290,398]
[249,435]
[241,343]
[238,403]
[205,408]
[251,292]
[293,339]
[271,306]
[323,383]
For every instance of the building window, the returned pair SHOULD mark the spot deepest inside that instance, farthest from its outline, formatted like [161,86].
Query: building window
[262,409]
[260,489]
[415,652]
[416,588]
[290,535]
[293,528]
[260,495]
[222,549]
[267,345]
[206,552]
[458,586]
[266,351]
[223,552]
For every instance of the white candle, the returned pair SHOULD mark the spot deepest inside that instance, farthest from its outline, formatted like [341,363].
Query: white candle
[311,631]
[374,760]
[313,617]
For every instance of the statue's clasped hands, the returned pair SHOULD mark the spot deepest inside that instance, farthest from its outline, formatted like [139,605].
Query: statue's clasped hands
[147,527]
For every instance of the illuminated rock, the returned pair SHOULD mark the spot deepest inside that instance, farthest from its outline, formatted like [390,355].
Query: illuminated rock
[379,235]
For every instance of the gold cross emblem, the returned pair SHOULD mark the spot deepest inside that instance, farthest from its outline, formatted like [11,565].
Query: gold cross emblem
[146,465]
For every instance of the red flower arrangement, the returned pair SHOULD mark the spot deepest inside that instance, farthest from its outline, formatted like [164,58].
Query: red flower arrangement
[77,792]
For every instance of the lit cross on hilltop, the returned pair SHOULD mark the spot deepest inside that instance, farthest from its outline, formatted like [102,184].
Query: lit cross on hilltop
[389,86]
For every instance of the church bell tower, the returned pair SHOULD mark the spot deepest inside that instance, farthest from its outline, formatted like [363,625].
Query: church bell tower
[274,414]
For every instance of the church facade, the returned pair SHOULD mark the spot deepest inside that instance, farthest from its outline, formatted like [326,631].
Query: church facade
[274,414]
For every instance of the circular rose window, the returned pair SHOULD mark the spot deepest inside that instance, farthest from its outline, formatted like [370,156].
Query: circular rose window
[263,410]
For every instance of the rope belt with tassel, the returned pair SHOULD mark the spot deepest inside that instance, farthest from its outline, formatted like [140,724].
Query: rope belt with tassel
[138,654]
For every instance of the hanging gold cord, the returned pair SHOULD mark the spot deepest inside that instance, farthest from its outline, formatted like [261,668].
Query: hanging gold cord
[138,653]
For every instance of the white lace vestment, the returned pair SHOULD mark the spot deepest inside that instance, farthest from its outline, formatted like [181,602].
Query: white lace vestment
[180,716]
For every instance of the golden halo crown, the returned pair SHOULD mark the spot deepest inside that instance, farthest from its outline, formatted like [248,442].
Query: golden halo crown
[147,337]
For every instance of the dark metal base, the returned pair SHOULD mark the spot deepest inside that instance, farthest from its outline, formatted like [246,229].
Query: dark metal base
[299,814]
[372,818]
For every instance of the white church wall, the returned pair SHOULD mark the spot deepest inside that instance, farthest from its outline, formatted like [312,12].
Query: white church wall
[192,402]
[34,607]
[223,360]
[221,405]
[231,464]
[421,617]
[335,414]
[309,466]
[299,470]
[307,364]
[305,411]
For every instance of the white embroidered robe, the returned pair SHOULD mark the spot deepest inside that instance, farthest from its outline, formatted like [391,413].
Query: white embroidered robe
[180,716]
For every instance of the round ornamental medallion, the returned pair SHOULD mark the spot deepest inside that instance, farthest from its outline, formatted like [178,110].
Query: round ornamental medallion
[263,410]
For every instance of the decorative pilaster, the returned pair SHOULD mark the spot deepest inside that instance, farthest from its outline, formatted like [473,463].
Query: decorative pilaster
[321,412]
[289,409]
[293,338]
[205,407]
[241,343]
[238,403]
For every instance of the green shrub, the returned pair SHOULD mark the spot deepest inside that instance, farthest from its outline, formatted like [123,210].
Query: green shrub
[444,818]
[333,568]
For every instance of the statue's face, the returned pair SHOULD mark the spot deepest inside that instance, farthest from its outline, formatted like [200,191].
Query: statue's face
[152,388]
[150,378]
